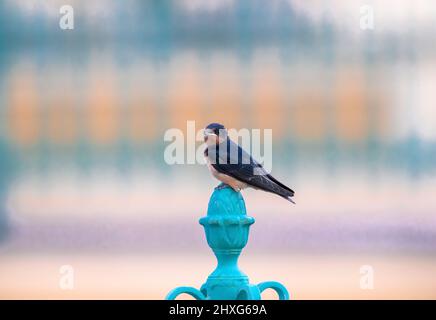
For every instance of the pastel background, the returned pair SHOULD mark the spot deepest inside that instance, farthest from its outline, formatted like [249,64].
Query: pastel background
[83,112]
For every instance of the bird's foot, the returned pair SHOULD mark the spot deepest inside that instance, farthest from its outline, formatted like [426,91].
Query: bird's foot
[237,189]
[221,186]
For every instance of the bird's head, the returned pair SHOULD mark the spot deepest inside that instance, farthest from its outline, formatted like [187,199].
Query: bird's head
[215,133]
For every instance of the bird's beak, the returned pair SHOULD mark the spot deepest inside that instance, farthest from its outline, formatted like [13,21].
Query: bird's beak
[206,136]
[208,133]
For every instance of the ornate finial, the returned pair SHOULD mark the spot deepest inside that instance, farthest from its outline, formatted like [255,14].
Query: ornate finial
[227,227]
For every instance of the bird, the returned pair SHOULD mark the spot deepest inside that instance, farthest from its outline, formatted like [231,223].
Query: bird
[233,166]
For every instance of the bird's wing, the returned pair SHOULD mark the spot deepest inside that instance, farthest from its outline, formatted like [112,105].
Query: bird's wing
[237,163]
[270,177]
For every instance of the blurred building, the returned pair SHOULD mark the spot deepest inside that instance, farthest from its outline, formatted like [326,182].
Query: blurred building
[341,101]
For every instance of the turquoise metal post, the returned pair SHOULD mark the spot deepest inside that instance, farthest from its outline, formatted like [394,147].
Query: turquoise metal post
[227,227]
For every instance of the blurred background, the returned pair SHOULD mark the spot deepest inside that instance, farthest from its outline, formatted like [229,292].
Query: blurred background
[83,112]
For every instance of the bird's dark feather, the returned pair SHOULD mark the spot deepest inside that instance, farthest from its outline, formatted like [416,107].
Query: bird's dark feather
[230,159]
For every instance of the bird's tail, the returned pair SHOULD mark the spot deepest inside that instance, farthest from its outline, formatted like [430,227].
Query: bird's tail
[283,191]
[289,198]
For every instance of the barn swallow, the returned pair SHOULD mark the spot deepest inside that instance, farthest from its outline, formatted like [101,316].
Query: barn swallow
[233,166]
